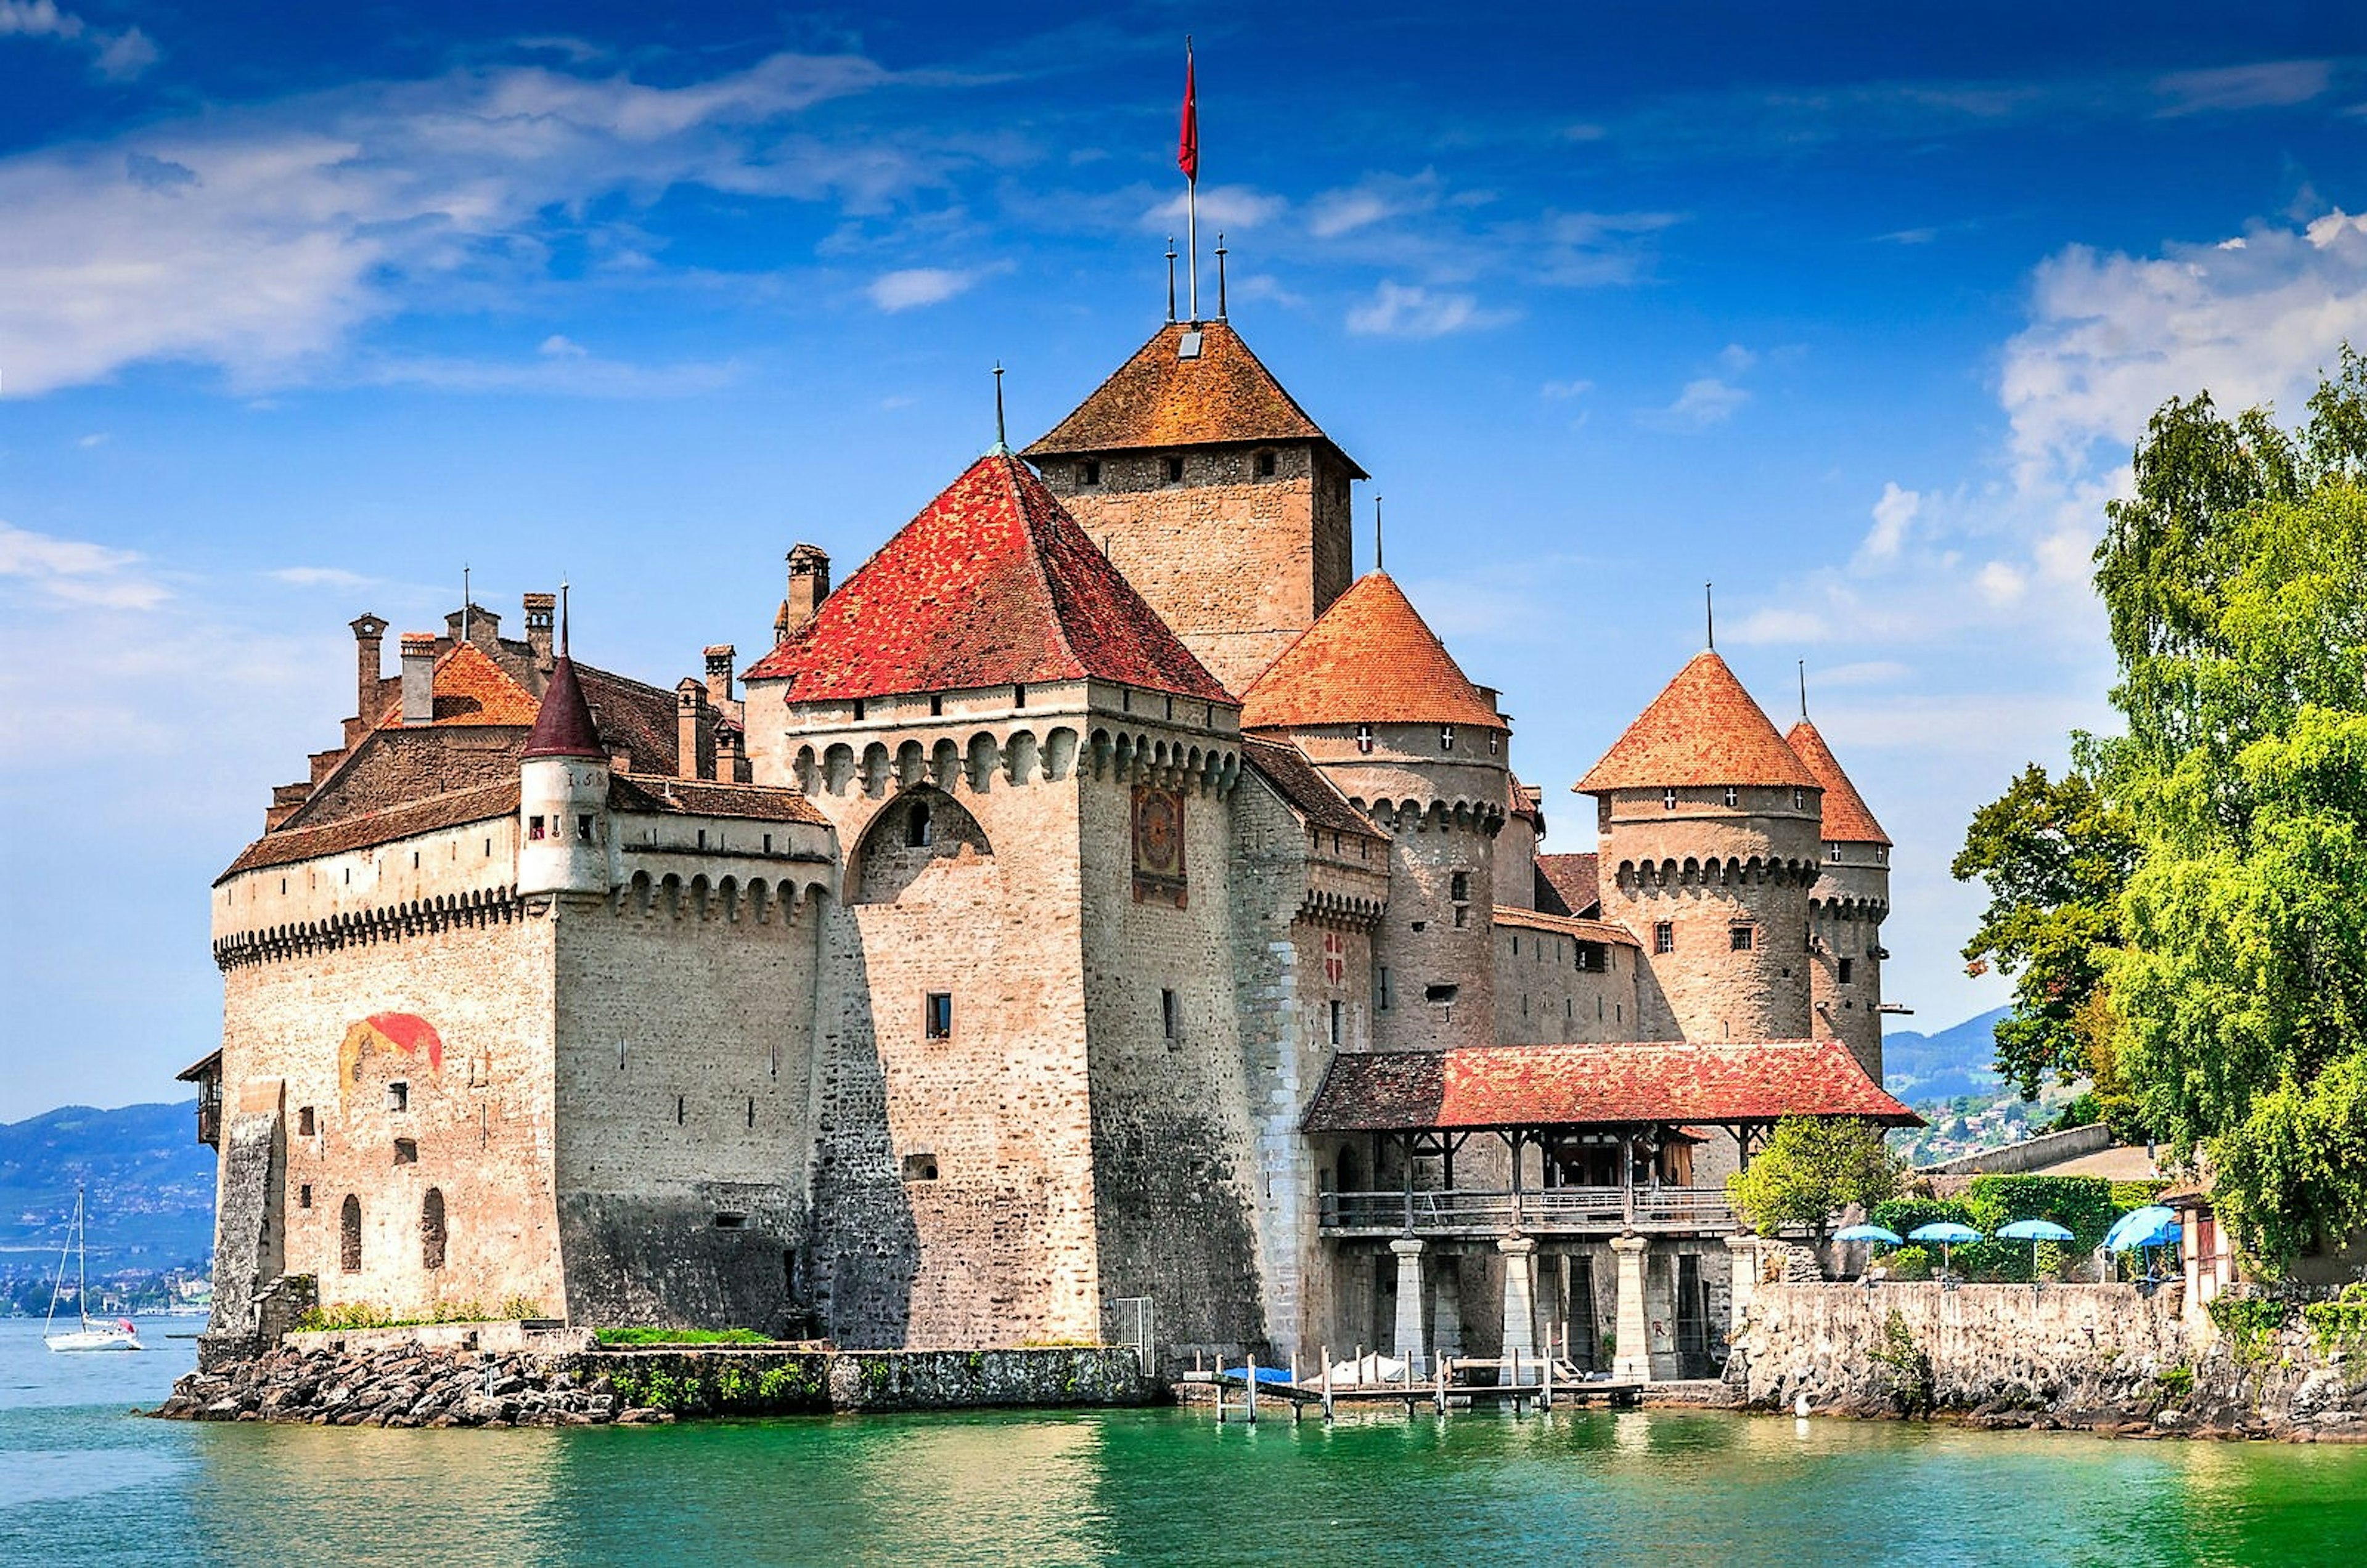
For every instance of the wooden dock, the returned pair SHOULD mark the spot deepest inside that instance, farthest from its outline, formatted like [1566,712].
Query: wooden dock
[1526,1383]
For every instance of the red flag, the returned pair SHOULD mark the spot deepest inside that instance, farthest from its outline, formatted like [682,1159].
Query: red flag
[1187,146]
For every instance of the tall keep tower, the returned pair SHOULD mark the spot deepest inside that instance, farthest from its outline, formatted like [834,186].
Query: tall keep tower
[1221,501]
[1375,701]
[1708,827]
[1846,908]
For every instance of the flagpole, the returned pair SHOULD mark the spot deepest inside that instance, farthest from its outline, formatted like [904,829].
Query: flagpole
[1192,190]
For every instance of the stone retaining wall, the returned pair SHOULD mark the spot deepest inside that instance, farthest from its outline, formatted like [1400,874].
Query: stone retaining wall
[2099,1357]
[409,1383]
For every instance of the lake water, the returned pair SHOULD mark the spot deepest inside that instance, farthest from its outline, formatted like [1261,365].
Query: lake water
[83,1482]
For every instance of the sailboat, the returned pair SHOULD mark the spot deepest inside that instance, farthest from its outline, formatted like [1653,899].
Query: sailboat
[93,1336]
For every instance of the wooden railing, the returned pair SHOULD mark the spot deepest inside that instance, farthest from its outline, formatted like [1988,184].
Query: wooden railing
[1552,1210]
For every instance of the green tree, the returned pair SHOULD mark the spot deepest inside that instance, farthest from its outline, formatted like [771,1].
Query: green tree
[1811,1170]
[2055,858]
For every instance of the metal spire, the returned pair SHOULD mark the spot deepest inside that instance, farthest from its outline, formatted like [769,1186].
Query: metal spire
[563,618]
[1171,277]
[465,605]
[1220,274]
[1804,688]
[1002,442]
[1192,186]
[1709,614]
[1381,562]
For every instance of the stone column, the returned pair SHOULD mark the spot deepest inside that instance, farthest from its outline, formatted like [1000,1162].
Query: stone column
[1447,1315]
[1519,1295]
[1632,1359]
[1743,1289]
[1407,1345]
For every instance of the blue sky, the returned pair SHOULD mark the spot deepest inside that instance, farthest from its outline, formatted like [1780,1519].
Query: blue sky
[1853,310]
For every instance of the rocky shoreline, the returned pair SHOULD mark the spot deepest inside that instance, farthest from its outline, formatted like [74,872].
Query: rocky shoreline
[406,1387]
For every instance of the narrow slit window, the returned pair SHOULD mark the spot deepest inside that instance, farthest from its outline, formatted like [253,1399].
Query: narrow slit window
[1845,968]
[1170,1016]
[1338,1014]
[938,1015]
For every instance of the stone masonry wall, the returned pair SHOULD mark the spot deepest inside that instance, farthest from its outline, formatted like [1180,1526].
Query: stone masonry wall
[1846,908]
[1543,998]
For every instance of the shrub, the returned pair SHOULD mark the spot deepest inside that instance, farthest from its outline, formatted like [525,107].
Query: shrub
[2338,1324]
[2175,1383]
[653,1336]
[1913,1384]
[2248,1323]
[1811,1170]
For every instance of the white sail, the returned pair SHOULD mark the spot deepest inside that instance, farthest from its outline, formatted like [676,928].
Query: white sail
[119,1334]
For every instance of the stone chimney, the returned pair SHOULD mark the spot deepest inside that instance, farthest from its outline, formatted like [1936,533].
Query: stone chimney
[484,627]
[369,639]
[727,755]
[541,611]
[809,586]
[690,707]
[419,677]
[720,660]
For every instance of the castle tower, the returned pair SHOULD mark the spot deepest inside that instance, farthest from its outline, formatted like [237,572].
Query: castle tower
[1846,908]
[1375,700]
[1221,501]
[1708,830]
[564,793]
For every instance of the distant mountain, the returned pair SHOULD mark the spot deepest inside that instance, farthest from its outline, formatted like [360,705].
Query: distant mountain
[1941,1066]
[151,1185]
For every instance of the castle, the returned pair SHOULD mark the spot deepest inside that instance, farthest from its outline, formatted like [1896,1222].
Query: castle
[1102,916]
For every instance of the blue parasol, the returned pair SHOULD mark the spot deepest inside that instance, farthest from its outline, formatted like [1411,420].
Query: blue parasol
[2034,1231]
[1867,1233]
[2152,1225]
[1948,1234]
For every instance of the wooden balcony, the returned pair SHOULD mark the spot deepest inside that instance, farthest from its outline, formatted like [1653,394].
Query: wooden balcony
[1554,1211]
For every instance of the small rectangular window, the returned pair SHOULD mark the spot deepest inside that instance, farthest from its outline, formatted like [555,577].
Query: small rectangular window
[1444,995]
[769,843]
[859,710]
[534,827]
[937,705]
[304,1196]
[1265,465]
[1845,967]
[1462,916]
[1664,937]
[1170,1019]
[920,1167]
[1516,944]
[1459,886]
[1175,470]
[398,1096]
[406,1151]
[727,1219]
[305,1121]
[1019,696]
[583,830]
[938,1015]
[1089,473]
[1742,938]
[702,838]
[1339,1013]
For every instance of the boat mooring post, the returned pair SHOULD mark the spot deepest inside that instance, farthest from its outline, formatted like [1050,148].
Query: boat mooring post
[1252,1394]
[1327,1385]
[1547,1405]
[1221,1391]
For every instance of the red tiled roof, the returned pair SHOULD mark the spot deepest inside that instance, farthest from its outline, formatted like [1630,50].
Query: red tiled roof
[1703,728]
[563,724]
[1848,818]
[992,586]
[1566,925]
[1573,880]
[1304,788]
[1223,395]
[471,689]
[284,846]
[1370,658]
[1527,1086]
[704,797]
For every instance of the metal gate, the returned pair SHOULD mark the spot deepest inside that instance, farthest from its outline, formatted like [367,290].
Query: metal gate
[1131,1323]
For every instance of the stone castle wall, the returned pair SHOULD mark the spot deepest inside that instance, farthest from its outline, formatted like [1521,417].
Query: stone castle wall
[1846,908]
[1544,997]
[1238,565]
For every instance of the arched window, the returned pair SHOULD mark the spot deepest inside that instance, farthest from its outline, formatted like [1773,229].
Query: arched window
[349,1236]
[431,1229]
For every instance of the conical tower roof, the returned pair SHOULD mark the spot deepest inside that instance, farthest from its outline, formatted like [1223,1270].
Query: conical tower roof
[1848,818]
[563,727]
[1219,394]
[1703,728]
[1370,658]
[993,584]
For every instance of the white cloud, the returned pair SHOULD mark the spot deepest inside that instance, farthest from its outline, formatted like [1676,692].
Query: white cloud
[95,438]
[1400,310]
[1374,199]
[918,285]
[1782,626]
[261,238]
[117,55]
[1706,400]
[2278,84]
[75,571]
[320,577]
[1221,207]
[2003,582]
[557,345]
[1575,388]
[1892,513]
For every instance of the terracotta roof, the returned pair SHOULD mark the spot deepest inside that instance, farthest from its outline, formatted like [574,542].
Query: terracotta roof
[1516,1085]
[702,797]
[1223,395]
[1304,788]
[992,586]
[1701,729]
[1848,818]
[288,845]
[634,718]
[1370,658]
[563,726]
[203,1067]
[1571,880]
[1567,925]
[471,689]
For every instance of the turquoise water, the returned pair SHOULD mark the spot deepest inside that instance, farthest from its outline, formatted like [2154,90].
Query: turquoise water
[80,1481]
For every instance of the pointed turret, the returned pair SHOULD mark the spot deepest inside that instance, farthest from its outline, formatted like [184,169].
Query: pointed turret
[1370,659]
[563,726]
[1213,491]
[1846,907]
[1847,818]
[563,835]
[1704,729]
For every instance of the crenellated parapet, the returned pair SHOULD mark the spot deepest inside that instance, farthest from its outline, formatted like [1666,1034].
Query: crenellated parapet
[1434,814]
[755,903]
[365,928]
[1642,878]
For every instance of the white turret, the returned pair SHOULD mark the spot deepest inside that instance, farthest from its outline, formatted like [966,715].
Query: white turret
[564,793]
